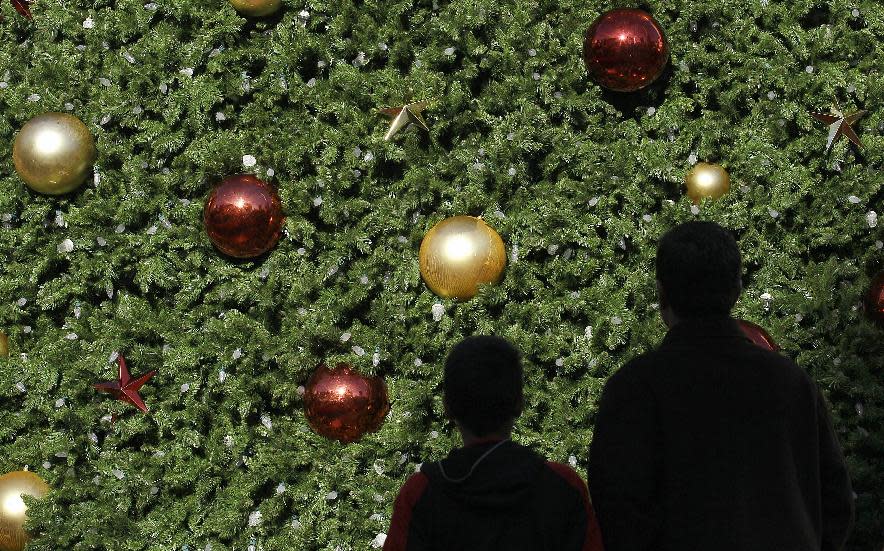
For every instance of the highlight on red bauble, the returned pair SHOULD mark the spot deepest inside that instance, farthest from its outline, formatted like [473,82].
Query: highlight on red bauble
[342,404]
[625,50]
[873,302]
[243,216]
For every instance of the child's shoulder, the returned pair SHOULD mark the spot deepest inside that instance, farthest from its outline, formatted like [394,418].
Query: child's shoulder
[414,487]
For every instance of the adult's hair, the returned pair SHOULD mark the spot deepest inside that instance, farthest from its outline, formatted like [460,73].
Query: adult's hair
[483,384]
[699,268]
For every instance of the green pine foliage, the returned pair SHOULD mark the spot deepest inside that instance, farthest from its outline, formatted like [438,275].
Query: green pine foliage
[579,182]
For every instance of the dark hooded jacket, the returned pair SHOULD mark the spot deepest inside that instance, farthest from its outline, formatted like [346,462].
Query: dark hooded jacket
[495,495]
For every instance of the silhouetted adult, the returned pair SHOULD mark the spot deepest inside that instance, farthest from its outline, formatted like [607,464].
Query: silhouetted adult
[710,442]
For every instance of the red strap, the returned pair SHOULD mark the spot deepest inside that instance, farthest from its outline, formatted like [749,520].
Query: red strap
[409,494]
[593,541]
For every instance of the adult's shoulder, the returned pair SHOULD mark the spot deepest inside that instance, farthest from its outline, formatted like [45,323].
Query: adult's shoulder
[638,368]
[634,379]
[784,366]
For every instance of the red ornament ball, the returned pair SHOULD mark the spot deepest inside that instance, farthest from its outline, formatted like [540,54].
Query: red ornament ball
[243,216]
[625,50]
[343,404]
[874,299]
[758,335]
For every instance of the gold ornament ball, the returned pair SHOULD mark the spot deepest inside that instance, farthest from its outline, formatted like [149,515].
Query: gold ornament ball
[13,509]
[256,8]
[53,153]
[707,180]
[460,253]
[4,345]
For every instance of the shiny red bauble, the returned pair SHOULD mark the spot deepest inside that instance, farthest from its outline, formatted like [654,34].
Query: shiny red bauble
[625,50]
[874,299]
[342,404]
[758,335]
[243,216]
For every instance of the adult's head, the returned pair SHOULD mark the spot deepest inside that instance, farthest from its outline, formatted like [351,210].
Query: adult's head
[698,272]
[482,385]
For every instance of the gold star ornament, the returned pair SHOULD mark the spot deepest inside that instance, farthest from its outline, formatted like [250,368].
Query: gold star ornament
[404,116]
[840,125]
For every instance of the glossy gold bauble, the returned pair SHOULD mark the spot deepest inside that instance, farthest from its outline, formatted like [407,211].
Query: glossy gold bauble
[460,253]
[707,180]
[53,153]
[256,8]
[13,509]
[4,345]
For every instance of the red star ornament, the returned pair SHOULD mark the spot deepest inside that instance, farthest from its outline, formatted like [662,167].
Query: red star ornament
[126,388]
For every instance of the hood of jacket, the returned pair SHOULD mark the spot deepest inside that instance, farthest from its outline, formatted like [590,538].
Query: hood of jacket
[491,474]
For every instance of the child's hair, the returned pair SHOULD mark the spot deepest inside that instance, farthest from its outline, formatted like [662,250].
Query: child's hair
[483,384]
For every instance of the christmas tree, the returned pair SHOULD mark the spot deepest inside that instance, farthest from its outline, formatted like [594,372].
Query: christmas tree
[578,181]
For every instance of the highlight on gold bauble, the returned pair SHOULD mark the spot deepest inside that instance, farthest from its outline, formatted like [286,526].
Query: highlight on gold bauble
[342,404]
[54,153]
[707,181]
[13,511]
[256,8]
[459,254]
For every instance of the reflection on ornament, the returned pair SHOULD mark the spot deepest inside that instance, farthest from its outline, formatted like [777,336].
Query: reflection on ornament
[256,8]
[14,505]
[47,142]
[758,335]
[53,153]
[458,248]
[625,50]
[459,254]
[243,216]
[873,302]
[707,181]
[343,404]
[13,511]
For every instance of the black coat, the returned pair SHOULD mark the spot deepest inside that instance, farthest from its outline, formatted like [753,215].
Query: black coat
[494,496]
[712,443]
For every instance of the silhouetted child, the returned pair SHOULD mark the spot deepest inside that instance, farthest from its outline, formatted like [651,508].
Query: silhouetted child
[491,494]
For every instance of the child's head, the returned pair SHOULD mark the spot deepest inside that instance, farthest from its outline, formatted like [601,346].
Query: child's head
[482,385]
